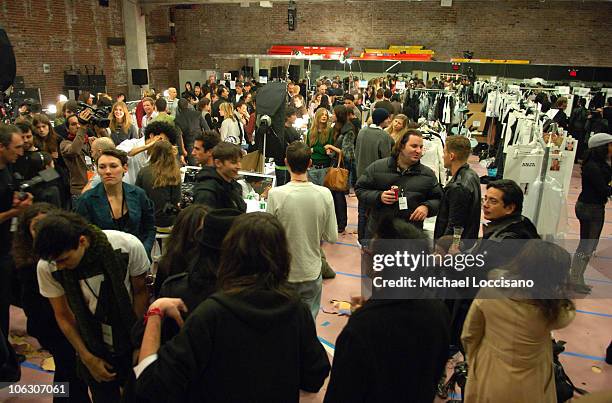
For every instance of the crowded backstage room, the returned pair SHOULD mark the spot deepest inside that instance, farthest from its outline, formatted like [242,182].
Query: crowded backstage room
[315,201]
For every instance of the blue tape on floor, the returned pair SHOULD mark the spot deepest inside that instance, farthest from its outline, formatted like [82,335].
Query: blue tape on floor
[324,324]
[350,274]
[35,367]
[327,343]
[347,244]
[605,315]
[588,357]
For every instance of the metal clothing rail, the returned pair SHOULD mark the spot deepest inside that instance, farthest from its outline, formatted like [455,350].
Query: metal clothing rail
[432,90]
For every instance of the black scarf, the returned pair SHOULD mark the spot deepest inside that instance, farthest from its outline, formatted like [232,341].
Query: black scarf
[114,307]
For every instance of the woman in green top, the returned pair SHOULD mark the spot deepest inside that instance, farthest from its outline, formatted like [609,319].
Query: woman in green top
[319,135]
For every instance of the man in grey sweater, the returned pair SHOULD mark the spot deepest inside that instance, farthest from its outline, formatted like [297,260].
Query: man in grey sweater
[307,213]
[373,143]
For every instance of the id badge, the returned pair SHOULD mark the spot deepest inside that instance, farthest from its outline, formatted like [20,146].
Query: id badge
[403,203]
[107,335]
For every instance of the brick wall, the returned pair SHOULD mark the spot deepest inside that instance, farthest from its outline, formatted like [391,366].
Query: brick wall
[557,32]
[74,32]
[64,33]
[163,71]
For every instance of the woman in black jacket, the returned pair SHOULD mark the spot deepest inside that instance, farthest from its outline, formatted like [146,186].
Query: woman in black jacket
[591,204]
[188,93]
[344,147]
[161,181]
[561,117]
[41,319]
[228,349]
[391,350]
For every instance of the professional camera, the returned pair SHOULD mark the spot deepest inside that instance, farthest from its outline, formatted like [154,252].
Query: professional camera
[99,116]
[44,176]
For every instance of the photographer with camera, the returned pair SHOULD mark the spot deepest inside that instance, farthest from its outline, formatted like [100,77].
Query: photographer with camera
[76,150]
[12,203]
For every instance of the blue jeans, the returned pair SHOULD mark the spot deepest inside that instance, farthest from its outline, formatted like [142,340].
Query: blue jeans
[316,175]
[310,294]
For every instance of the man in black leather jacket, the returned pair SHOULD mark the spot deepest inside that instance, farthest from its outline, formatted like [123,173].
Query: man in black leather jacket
[216,186]
[460,204]
[418,190]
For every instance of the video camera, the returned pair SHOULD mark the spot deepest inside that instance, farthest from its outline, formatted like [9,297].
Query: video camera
[44,176]
[99,116]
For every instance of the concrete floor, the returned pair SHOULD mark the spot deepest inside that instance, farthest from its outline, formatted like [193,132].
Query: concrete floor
[587,337]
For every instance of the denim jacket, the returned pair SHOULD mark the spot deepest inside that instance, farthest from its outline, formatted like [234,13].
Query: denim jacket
[94,206]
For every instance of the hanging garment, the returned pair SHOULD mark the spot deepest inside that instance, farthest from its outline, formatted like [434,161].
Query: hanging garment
[433,157]
[491,104]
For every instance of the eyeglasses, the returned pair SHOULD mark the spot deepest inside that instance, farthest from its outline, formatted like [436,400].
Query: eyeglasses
[489,201]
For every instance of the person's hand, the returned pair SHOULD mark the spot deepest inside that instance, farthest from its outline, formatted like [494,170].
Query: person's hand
[264,194]
[183,162]
[85,115]
[171,307]
[22,204]
[419,214]
[99,369]
[388,197]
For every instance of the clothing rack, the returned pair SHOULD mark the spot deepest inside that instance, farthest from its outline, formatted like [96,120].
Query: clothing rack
[433,90]
[538,89]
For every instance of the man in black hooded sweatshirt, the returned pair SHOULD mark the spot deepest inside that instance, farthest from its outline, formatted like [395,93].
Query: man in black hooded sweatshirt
[216,187]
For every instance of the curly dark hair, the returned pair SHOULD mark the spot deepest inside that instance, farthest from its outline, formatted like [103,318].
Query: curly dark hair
[156,128]
[22,240]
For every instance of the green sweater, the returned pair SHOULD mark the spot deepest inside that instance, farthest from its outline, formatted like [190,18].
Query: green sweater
[319,156]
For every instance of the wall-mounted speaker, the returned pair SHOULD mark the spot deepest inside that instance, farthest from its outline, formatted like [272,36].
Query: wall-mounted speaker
[140,77]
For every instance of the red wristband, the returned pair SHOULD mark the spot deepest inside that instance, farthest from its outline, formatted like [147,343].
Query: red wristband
[153,312]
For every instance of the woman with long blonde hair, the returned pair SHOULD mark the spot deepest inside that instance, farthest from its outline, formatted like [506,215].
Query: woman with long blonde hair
[398,127]
[231,129]
[121,123]
[161,181]
[319,135]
